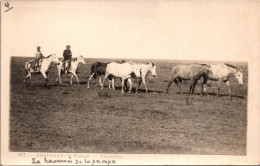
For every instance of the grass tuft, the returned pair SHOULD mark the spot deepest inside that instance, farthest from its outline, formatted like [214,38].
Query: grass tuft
[104,94]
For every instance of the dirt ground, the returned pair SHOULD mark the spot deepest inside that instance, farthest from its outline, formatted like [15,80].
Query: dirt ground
[72,118]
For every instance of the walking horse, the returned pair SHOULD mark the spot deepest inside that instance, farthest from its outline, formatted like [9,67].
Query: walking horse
[73,68]
[191,72]
[99,69]
[222,73]
[122,71]
[43,68]
[145,69]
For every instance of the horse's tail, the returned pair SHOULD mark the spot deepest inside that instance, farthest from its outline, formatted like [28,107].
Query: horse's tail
[93,70]
[27,67]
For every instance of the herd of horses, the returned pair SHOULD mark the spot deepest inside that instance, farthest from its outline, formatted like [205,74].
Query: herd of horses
[125,71]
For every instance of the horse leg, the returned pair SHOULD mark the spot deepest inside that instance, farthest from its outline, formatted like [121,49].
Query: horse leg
[90,78]
[130,83]
[204,86]
[71,77]
[100,83]
[113,84]
[123,80]
[229,89]
[109,82]
[192,81]
[26,78]
[178,82]
[30,76]
[169,83]
[219,83]
[105,77]
[144,82]
[140,81]
[73,73]
[45,77]
[193,87]
[58,78]
[125,84]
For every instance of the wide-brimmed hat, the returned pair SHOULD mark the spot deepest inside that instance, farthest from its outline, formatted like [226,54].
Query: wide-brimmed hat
[68,46]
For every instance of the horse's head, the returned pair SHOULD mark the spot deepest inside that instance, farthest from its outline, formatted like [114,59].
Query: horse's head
[55,59]
[239,76]
[153,69]
[81,59]
[137,70]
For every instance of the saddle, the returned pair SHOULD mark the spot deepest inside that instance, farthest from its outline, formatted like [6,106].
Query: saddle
[38,65]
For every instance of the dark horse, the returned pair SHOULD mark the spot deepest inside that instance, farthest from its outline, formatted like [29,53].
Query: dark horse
[99,69]
[192,72]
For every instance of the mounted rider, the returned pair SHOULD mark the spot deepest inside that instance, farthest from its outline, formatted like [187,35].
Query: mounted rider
[38,57]
[67,58]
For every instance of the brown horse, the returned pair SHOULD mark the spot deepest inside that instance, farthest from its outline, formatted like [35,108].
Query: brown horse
[192,72]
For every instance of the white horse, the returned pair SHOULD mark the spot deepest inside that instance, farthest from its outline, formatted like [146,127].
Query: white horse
[122,71]
[146,68]
[73,68]
[221,73]
[43,69]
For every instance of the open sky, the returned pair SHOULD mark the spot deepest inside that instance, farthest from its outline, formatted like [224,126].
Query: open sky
[172,29]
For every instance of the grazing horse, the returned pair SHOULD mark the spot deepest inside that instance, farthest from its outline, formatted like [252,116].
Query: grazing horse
[99,69]
[73,68]
[192,72]
[123,71]
[145,70]
[221,73]
[43,69]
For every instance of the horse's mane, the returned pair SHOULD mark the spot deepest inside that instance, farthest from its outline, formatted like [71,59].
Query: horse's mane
[74,59]
[153,64]
[204,64]
[229,65]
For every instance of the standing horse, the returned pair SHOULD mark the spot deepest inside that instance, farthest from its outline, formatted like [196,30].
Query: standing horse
[73,68]
[192,72]
[122,71]
[99,69]
[221,73]
[43,69]
[146,68]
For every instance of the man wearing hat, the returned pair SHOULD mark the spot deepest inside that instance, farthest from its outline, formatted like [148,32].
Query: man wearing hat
[38,56]
[67,55]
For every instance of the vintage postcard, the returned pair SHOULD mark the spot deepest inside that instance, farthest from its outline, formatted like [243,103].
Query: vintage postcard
[160,82]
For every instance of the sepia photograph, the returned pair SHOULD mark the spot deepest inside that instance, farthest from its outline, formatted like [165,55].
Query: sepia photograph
[130,82]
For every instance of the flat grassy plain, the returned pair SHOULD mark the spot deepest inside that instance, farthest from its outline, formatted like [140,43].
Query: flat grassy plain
[72,118]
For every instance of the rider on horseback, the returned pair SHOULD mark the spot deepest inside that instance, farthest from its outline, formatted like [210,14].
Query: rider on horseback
[38,56]
[67,57]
